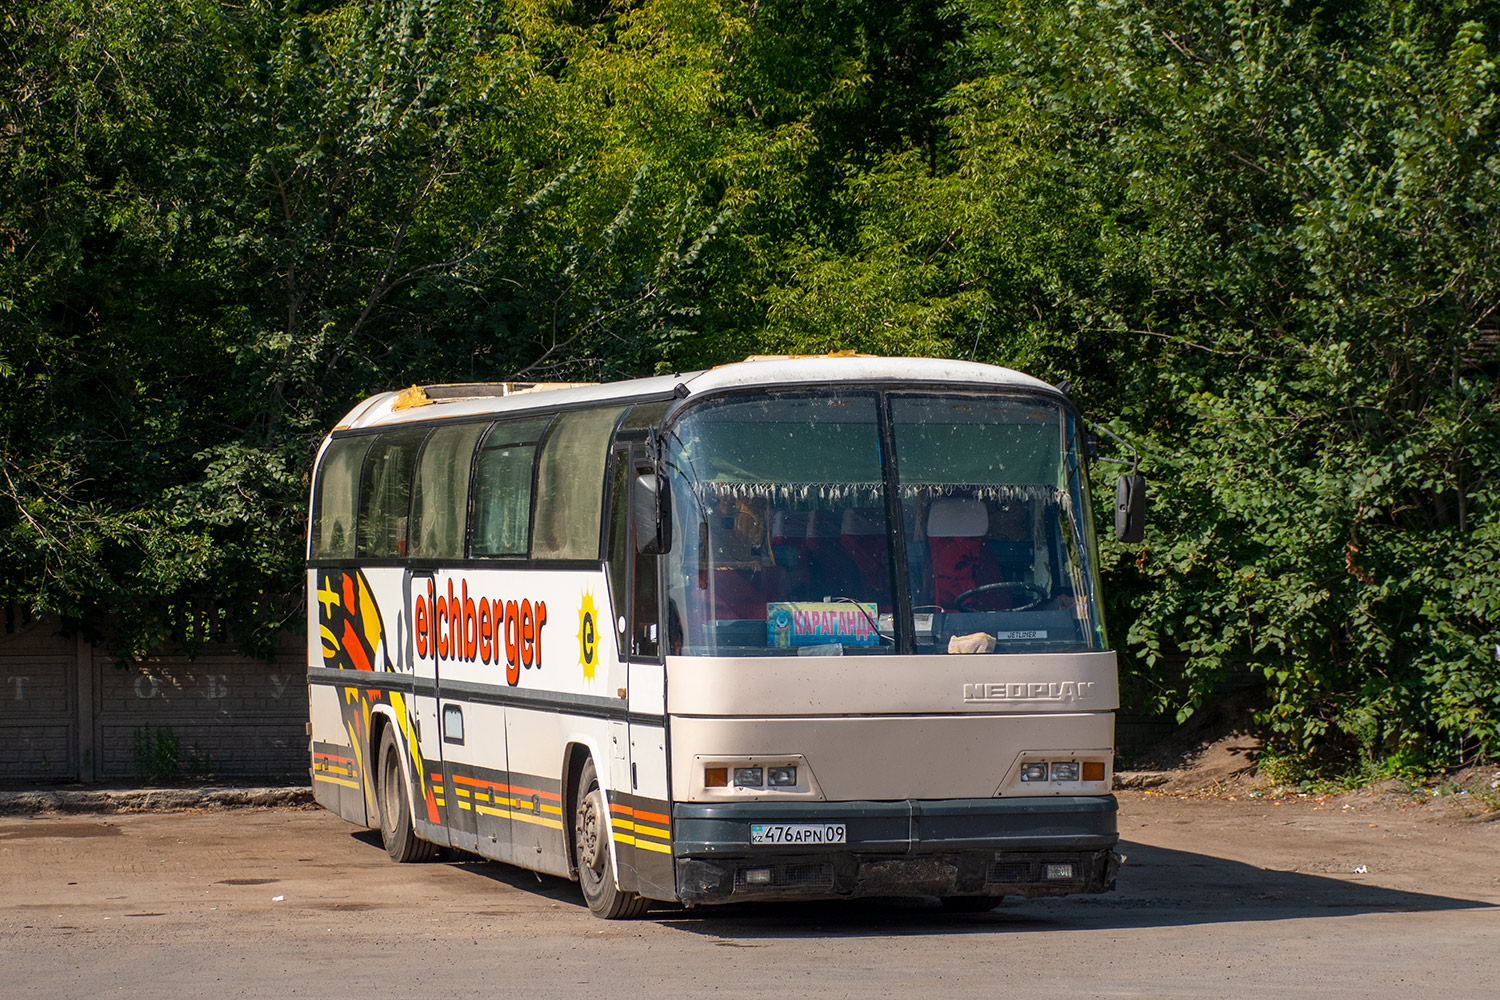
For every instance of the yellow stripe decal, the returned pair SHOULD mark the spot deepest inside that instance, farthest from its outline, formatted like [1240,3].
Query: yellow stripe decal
[336,781]
[523,817]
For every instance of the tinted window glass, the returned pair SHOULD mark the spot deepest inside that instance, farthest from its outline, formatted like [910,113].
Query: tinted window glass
[440,493]
[334,503]
[619,540]
[570,485]
[502,487]
[385,494]
[643,415]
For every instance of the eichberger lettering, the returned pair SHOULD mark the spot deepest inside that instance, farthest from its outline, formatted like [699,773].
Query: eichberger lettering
[457,626]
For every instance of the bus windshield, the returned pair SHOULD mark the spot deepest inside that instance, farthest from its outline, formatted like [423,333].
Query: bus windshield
[792,535]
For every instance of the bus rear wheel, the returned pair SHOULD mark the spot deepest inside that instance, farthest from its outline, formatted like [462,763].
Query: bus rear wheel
[401,841]
[591,850]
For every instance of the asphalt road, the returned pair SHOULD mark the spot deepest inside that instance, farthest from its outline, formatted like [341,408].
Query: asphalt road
[1217,899]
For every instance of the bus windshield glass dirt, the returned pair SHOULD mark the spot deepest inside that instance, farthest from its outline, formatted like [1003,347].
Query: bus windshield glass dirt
[999,538]
[784,543]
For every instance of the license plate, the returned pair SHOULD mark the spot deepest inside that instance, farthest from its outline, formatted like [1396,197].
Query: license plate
[798,833]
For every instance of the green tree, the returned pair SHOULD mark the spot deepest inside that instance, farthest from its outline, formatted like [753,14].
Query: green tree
[1265,239]
[228,224]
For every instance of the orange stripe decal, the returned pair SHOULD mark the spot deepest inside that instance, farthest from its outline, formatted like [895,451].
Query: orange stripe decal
[642,814]
[459,779]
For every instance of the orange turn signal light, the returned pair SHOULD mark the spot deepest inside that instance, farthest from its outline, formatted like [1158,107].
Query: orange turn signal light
[717,777]
[1093,770]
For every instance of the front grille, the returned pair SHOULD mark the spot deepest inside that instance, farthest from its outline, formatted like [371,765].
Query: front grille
[1033,871]
[1011,873]
[793,876]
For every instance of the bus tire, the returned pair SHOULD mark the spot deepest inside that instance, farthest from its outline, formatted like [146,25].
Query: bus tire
[591,850]
[401,841]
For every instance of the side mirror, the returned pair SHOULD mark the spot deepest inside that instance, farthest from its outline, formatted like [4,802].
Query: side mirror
[648,508]
[1130,508]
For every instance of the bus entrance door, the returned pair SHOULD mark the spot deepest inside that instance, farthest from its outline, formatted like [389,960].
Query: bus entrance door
[469,733]
[428,798]
[646,776]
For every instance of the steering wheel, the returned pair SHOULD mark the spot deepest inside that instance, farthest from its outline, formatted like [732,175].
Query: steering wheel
[1037,594]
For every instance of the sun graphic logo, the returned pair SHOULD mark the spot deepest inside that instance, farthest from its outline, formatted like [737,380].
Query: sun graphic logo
[588,635]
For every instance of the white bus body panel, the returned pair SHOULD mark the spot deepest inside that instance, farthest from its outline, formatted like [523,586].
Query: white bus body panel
[487,737]
[891,757]
[882,685]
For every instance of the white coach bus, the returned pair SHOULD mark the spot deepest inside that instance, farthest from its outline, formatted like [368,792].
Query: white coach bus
[789,628]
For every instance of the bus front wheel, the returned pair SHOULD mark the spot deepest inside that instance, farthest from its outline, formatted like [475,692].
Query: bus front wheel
[396,832]
[591,849]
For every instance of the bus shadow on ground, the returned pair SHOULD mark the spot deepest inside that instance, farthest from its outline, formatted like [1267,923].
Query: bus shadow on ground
[1157,887]
[546,886]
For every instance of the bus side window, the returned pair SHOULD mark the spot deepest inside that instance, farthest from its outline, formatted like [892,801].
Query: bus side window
[618,550]
[569,481]
[644,640]
[385,494]
[502,488]
[336,498]
[632,574]
[440,493]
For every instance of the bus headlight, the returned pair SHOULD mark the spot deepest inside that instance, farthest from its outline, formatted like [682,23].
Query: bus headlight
[749,777]
[1058,772]
[753,776]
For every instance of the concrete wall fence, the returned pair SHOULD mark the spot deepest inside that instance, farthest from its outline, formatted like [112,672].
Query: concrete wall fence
[68,713]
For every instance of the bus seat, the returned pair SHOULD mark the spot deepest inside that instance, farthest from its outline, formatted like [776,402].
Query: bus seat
[739,594]
[739,555]
[961,561]
[864,538]
[831,573]
[1009,538]
[789,548]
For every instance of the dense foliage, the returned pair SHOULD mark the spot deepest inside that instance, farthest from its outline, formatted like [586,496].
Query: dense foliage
[1260,240]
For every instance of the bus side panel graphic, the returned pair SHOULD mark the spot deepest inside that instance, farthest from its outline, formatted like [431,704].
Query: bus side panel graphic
[354,638]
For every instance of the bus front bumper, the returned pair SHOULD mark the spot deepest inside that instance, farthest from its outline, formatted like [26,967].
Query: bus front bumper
[1043,846]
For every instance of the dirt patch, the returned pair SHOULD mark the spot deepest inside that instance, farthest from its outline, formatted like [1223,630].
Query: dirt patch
[1222,767]
[1216,756]
[1213,753]
[74,831]
[133,800]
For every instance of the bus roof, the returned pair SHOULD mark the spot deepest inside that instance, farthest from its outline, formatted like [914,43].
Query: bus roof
[422,403]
